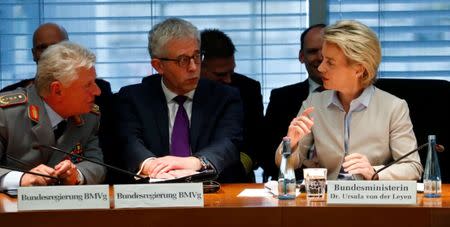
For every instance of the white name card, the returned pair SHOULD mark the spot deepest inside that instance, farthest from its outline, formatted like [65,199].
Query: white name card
[158,195]
[371,192]
[63,197]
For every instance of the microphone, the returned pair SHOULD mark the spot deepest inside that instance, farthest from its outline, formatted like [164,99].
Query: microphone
[438,147]
[52,148]
[13,192]
[29,172]
[28,165]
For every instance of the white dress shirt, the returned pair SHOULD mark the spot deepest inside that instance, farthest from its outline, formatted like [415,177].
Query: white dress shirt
[173,106]
[312,85]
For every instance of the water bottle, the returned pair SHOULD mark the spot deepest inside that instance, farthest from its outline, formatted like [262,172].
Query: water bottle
[286,178]
[432,175]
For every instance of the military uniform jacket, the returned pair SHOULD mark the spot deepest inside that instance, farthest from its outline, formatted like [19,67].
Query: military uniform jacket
[25,124]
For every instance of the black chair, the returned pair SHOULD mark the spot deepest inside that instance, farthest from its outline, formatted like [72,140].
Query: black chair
[429,105]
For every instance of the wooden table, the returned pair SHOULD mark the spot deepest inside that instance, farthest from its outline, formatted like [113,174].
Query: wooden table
[224,208]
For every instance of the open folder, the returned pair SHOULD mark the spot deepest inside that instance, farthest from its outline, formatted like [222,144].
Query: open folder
[206,177]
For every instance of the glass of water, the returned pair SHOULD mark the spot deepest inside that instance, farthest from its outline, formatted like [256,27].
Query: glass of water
[315,183]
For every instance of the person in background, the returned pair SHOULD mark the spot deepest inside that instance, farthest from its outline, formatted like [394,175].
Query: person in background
[356,128]
[58,110]
[286,101]
[44,36]
[175,124]
[49,34]
[218,65]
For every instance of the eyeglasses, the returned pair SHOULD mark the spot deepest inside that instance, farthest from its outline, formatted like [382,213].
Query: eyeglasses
[184,60]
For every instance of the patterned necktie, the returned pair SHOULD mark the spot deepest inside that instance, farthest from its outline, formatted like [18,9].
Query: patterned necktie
[180,132]
[59,130]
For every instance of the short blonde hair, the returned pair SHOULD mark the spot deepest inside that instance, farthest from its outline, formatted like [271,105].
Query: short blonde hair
[60,62]
[359,44]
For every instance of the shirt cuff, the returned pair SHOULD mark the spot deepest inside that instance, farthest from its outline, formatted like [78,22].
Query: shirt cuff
[80,178]
[11,180]
[142,166]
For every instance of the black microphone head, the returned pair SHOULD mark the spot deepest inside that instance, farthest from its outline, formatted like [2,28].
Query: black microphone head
[440,148]
[36,146]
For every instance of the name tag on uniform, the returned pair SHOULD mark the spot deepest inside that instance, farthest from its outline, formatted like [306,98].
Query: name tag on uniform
[63,197]
[371,192]
[159,195]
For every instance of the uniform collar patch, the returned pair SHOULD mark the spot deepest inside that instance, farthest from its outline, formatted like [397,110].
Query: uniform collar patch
[33,113]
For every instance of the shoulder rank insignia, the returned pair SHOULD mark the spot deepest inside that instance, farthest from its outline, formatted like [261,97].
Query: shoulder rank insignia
[33,113]
[12,98]
[95,109]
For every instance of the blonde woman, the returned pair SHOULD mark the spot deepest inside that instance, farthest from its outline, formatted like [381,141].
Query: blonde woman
[355,127]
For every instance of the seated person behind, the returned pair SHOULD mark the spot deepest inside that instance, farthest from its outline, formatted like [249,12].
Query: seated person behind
[44,36]
[358,128]
[49,34]
[218,64]
[285,102]
[54,111]
[175,124]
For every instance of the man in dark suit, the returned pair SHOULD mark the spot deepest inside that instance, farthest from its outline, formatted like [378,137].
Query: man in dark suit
[49,34]
[44,36]
[218,64]
[285,102]
[176,124]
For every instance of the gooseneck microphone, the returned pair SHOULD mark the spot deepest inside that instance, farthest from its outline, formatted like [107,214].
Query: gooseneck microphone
[439,148]
[29,172]
[13,192]
[52,148]
[28,165]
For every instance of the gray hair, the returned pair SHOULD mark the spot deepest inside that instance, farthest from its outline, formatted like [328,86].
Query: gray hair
[60,62]
[169,29]
[359,44]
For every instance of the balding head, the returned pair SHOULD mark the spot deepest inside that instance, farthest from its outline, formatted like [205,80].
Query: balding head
[46,35]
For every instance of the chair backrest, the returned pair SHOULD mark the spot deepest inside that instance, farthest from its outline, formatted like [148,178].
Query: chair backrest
[429,105]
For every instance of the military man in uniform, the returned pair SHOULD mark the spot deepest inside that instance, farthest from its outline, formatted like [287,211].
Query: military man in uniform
[58,110]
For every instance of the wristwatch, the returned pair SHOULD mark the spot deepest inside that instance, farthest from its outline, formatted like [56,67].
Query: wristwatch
[205,164]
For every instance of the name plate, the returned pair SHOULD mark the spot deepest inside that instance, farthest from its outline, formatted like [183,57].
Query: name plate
[158,195]
[371,192]
[63,197]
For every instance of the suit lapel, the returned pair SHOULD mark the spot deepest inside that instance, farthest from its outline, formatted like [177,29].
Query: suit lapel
[156,100]
[304,90]
[199,106]
[41,128]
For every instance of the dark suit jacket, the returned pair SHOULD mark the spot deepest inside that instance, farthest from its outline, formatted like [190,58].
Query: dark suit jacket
[216,123]
[285,102]
[252,102]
